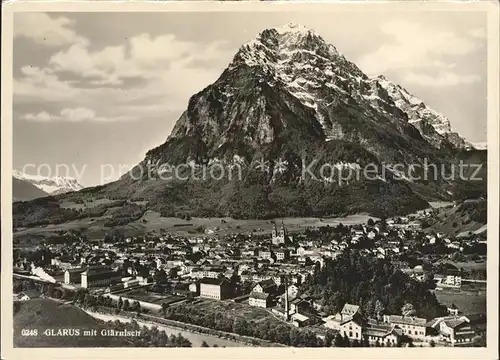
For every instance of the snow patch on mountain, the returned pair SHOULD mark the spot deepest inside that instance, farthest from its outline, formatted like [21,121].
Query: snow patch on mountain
[319,76]
[51,185]
[414,107]
[480,145]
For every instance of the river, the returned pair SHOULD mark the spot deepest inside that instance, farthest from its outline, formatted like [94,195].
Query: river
[196,339]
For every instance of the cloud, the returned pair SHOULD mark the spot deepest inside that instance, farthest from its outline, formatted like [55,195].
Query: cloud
[414,46]
[42,84]
[444,78]
[42,116]
[145,75]
[46,30]
[141,57]
[78,114]
[71,115]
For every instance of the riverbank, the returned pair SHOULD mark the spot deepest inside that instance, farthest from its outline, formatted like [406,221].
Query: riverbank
[195,338]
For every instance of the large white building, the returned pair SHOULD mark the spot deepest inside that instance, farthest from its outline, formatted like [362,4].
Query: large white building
[99,277]
[218,289]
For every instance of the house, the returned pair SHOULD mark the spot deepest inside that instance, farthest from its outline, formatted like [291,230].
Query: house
[278,279]
[382,333]
[282,254]
[300,320]
[335,321]
[298,305]
[266,254]
[259,299]
[28,295]
[457,331]
[410,325]
[218,289]
[352,327]
[97,277]
[265,286]
[194,288]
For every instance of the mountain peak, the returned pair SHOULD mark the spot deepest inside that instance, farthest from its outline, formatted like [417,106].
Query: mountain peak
[51,185]
[286,43]
[292,28]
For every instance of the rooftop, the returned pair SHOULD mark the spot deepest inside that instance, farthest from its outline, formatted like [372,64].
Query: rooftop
[407,320]
[212,281]
[453,323]
[260,296]
[349,309]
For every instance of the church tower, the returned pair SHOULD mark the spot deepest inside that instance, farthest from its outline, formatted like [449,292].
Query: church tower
[283,230]
[275,231]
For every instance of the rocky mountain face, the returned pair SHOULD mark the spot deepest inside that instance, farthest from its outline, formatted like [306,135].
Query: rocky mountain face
[288,81]
[289,101]
[433,126]
[49,185]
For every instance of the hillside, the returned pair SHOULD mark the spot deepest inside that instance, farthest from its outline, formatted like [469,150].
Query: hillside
[23,190]
[467,216]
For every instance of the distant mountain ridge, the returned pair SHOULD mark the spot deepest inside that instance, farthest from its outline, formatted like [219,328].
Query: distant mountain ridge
[49,185]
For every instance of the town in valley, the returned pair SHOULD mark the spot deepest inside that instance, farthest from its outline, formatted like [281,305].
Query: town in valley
[237,285]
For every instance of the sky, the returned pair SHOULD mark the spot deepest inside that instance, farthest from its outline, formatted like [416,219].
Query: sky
[93,92]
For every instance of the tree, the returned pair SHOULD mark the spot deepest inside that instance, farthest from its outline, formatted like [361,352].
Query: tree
[173,272]
[204,344]
[164,307]
[432,343]
[345,341]
[126,305]
[379,309]
[329,337]
[160,276]
[339,341]
[119,305]
[408,309]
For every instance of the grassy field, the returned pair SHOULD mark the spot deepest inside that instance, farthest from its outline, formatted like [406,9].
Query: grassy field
[143,295]
[235,310]
[152,222]
[467,302]
[470,265]
[43,314]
